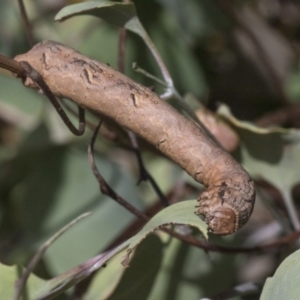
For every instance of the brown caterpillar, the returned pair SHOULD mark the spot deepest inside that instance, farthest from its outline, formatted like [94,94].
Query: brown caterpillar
[227,202]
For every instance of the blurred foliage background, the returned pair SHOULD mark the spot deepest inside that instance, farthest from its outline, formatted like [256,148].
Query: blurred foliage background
[244,54]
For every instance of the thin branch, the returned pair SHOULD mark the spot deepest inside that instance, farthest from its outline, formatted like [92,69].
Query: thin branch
[103,185]
[12,66]
[38,79]
[144,174]
[291,209]
[26,23]
[164,70]
[138,69]
[223,249]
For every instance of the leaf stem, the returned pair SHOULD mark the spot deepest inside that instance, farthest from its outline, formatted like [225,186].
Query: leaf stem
[291,209]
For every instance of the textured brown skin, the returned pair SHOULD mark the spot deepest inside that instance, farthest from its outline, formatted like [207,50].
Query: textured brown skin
[227,202]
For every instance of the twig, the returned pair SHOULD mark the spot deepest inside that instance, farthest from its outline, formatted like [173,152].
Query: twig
[291,209]
[12,66]
[26,23]
[103,185]
[38,79]
[144,174]
[223,249]
[138,69]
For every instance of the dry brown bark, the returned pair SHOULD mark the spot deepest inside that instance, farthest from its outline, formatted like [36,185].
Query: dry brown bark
[227,202]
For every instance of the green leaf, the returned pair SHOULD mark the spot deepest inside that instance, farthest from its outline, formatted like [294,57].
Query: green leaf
[68,279]
[285,282]
[19,106]
[179,213]
[54,184]
[8,277]
[78,193]
[117,14]
[136,282]
[106,280]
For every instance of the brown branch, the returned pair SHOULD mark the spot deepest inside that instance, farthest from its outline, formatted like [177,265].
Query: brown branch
[12,65]
[144,174]
[103,185]
[228,201]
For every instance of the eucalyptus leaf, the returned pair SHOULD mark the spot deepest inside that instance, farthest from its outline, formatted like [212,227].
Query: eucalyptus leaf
[138,280]
[118,14]
[63,282]
[8,277]
[180,213]
[285,282]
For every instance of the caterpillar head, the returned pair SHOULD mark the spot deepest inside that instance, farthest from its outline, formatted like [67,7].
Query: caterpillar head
[222,221]
[225,209]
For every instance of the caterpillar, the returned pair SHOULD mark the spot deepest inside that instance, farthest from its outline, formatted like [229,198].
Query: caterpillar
[228,200]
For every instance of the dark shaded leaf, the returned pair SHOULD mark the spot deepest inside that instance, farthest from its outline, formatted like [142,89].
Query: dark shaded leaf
[138,279]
